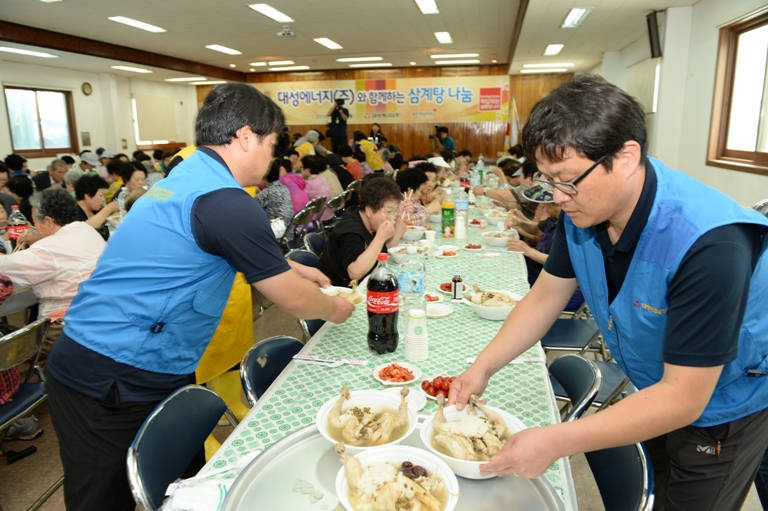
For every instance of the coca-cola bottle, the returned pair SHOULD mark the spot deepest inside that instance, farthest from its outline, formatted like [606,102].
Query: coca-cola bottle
[17,224]
[383,306]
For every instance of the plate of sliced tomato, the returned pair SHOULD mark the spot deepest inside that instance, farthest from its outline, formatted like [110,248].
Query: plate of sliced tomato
[473,246]
[433,297]
[437,385]
[397,373]
[445,288]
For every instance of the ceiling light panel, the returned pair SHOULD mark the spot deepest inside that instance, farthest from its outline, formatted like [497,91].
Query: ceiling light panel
[257,64]
[216,82]
[132,69]
[30,53]
[553,49]
[556,64]
[455,56]
[271,12]
[223,49]
[328,43]
[359,59]
[560,70]
[190,79]
[576,17]
[281,63]
[136,24]
[443,37]
[427,6]
[453,62]
[379,64]
[290,68]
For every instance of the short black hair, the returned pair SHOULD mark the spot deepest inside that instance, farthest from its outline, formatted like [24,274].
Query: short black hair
[21,186]
[447,155]
[411,178]
[67,158]
[293,152]
[426,167]
[157,154]
[229,107]
[359,156]
[345,151]
[14,162]
[127,170]
[516,150]
[466,153]
[168,154]
[510,166]
[56,203]
[137,153]
[3,169]
[114,166]
[89,185]
[316,164]
[358,136]
[141,157]
[274,169]
[587,114]
[117,156]
[529,168]
[375,190]
[442,129]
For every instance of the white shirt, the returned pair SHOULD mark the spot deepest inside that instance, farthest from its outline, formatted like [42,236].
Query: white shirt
[55,265]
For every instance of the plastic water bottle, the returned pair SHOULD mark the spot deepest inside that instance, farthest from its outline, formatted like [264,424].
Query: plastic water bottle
[121,201]
[448,210]
[17,224]
[412,276]
[480,168]
[461,215]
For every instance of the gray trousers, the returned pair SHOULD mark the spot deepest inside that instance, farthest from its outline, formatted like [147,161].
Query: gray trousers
[700,469]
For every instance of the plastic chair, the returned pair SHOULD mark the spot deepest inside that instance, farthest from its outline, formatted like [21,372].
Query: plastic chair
[309,327]
[20,346]
[304,257]
[169,440]
[264,362]
[580,380]
[314,242]
[624,477]
[575,335]
[297,226]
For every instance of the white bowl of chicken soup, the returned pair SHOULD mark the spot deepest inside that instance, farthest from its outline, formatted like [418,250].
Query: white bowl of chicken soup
[379,474]
[451,440]
[360,422]
[499,238]
[492,304]
[413,233]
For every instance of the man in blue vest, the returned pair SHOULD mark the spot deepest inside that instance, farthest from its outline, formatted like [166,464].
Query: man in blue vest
[676,275]
[137,328]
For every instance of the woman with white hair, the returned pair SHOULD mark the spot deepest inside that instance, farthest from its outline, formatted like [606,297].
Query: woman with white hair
[71,177]
[306,145]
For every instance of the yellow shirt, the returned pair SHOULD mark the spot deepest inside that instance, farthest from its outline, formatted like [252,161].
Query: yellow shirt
[113,189]
[372,154]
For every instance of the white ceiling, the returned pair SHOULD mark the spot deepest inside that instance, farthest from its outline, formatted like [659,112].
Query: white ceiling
[393,29]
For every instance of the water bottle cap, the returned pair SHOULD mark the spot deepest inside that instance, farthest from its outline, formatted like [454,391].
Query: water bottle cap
[382,256]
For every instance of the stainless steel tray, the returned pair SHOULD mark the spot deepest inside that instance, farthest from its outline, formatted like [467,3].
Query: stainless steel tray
[268,481]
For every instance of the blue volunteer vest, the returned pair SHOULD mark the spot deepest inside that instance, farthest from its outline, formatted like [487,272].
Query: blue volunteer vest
[155,298]
[633,324]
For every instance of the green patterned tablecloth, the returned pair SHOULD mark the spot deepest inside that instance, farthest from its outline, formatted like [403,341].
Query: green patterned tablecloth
[523,390]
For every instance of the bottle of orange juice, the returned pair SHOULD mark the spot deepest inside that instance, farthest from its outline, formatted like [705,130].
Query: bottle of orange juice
[449,207]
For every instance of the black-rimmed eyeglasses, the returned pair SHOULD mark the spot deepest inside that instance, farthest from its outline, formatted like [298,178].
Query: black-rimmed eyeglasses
[567,188]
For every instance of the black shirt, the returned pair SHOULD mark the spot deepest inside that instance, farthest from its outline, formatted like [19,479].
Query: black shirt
[713,276]
[343,174]
[348,240]
[82,217]
[245,240]
[338,127]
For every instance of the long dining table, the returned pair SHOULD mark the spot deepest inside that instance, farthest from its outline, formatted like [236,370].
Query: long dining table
[522,388]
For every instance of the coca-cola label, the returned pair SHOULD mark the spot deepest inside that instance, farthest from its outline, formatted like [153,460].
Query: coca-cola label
[383,303]
[14,231]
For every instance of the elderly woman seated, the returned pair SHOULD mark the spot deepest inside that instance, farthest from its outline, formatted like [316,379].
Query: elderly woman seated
[63,253]
[275,198]
[411,183]
[373,226]
[89,193]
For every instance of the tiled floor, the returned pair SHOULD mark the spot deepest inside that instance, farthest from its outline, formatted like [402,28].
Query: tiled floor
[22,482]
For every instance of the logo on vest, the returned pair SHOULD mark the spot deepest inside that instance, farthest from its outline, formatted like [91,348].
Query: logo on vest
[706,449]
[158,193]
[640,305]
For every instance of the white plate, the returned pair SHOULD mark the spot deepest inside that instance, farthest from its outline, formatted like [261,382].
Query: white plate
[412,368]
[433,398]
[439,298]
[438,310]
[415,400]
[448,292]
[334,290]
[474,225]
[441,256]
[472,249]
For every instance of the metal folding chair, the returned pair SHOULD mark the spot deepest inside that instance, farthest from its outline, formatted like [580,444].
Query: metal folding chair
[317,205]
[355,185]
[309,327]
[575,335]
[624,477]
[314,242]
[578,381]
[298,227]
[264,362]
[169,440]
[304,257]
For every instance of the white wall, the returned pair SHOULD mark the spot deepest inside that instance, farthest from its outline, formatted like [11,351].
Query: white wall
[707,17]
[106,113]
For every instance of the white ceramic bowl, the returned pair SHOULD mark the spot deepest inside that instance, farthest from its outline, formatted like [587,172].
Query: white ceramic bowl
[413,233]
[463,468]
[495,215]
[364,398]
[399,454]
[495,313]
[394,255]
[435,219]
[501,241]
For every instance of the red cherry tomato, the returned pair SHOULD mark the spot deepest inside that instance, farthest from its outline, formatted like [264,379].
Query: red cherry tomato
[431,391]
[425,384]
[441,392]
[452,378]
[438,382]
[446,386]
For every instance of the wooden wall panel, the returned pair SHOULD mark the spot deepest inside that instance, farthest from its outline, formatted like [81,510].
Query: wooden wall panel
[529,89]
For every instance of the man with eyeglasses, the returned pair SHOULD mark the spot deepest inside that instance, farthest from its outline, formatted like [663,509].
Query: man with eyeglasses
[676,276]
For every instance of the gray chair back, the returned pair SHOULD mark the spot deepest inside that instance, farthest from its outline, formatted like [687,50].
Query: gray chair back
[581,380]
[23,344]
[355,185]
[624,477]
[264,362]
